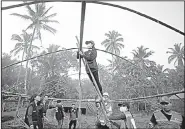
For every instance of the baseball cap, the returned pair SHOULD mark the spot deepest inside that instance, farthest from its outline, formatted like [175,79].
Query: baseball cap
[105,94]
[59,101]
[164,99]
[92,42]
[124,104]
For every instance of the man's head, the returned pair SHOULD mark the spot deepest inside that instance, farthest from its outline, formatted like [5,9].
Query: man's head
[89,44]
[105,96]
[165,103]
[124,106]
[37,98]
[73,105]
[59,101]
[45,97]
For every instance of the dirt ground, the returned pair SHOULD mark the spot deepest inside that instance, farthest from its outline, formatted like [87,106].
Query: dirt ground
[86,121]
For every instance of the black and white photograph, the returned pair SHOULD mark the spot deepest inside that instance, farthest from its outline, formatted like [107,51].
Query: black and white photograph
[92,64]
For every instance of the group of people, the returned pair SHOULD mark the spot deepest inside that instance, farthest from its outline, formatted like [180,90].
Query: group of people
[125,118]
[165,116]
[37,109]
[161,119]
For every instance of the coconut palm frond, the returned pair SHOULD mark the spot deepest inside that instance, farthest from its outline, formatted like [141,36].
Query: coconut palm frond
[171,58]
[50,29]
[30,10]
[47,11]
[26,17]
[105,41]
[16,37]
[50,16]
[50,21]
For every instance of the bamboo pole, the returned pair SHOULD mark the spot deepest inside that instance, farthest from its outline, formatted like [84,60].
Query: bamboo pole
[93,100]
[67,50]
[17,110]
[83,8]
[179,98]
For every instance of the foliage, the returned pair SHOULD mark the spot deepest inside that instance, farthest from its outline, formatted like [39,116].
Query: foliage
[53,69]
[23,42]
[113,42]
[39,18]
[9,75]
[177,54]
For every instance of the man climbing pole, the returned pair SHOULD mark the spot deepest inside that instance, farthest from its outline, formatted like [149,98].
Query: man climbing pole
[90,56]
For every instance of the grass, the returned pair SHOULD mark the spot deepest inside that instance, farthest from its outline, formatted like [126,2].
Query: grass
[86,121]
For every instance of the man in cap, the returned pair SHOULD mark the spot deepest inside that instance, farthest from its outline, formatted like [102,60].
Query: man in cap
[34,113]
[73,116]
[166,118]
[59,114]
[90,57]
[124,119]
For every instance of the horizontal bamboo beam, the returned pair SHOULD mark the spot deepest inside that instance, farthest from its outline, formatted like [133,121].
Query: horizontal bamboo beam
[117,100]
[147,97]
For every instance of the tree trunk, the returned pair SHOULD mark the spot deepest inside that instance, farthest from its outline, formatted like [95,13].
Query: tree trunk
[180,62]
[28,56]
[20,70]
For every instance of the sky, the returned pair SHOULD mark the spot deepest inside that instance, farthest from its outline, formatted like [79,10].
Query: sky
[99,19]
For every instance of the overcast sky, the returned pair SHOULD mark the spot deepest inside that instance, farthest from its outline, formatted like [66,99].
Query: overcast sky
[99,19]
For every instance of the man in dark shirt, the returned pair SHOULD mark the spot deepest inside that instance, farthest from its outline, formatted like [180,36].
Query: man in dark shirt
[59,114]
[166,118]
[45,103]
[34,114]
[73,117]
[90,57]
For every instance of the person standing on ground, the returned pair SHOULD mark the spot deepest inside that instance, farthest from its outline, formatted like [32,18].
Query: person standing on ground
[90,56]
[73,117]
[34,114]
[45,103]
[166,118]
[59,114]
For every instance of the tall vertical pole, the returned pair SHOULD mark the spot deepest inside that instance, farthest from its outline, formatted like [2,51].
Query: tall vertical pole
[80,49]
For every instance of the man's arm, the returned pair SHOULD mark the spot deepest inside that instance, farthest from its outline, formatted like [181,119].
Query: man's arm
[30,110]
[77,55]
[183,122]
[76,113]
[153,121]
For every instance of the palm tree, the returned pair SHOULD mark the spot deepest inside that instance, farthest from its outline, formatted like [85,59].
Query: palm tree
[50,63]
[113,43]
[177,54]
[141,54]
[39,21]
[23,42]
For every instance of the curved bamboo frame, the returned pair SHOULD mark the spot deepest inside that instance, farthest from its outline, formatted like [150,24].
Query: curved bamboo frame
[103,3]
[65,50]
[82,26]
